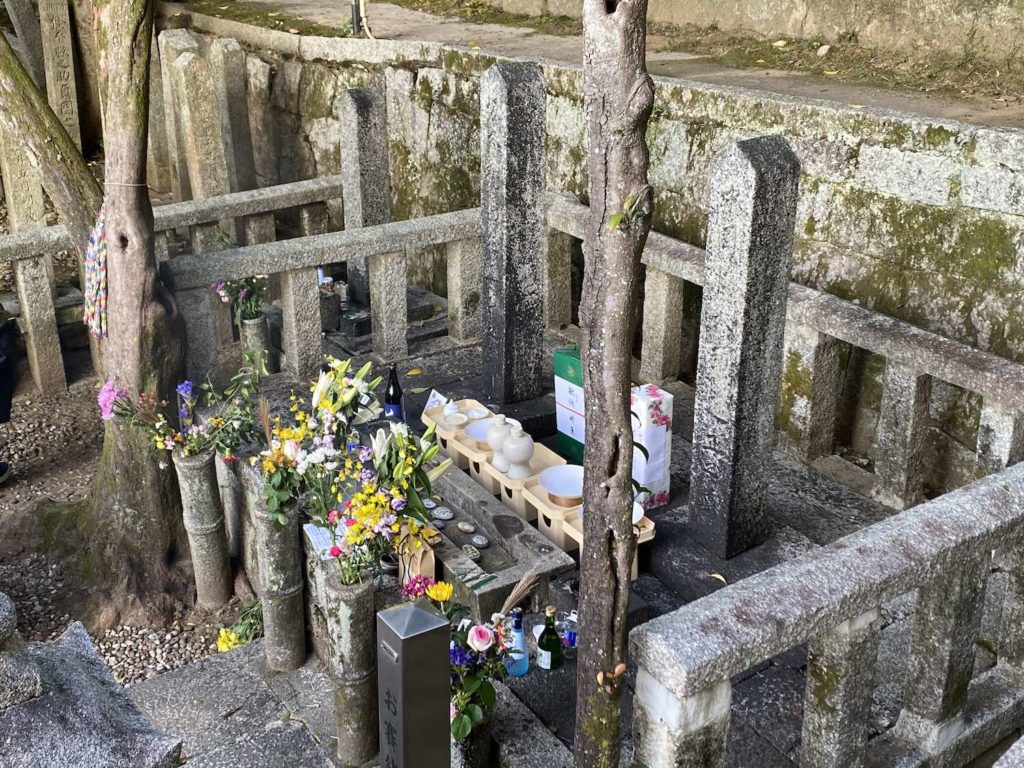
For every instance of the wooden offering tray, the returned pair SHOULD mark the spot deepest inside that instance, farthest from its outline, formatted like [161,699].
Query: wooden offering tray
[511,491]
[550,516]
[446,434]
[572,527]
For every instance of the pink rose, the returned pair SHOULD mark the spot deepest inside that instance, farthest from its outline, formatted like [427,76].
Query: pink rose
[335,551]
[480,638]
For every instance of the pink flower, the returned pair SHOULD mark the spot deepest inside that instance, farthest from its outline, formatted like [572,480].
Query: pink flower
[480,638]
[452,712]
[332,517]
[109,393]
[334,551]
[349,522]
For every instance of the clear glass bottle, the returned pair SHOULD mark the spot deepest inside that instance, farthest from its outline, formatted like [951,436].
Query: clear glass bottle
[549,644]
[518,661]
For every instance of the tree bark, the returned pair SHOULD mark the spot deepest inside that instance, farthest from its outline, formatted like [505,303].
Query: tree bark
[26,117]
[127,534]
[618,98]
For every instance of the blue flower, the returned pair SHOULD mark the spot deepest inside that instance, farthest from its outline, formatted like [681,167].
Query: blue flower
[183,411]
[185,389]
[459,657]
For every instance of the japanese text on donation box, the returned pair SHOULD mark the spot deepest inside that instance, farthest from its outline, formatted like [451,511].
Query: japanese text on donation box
[651,409]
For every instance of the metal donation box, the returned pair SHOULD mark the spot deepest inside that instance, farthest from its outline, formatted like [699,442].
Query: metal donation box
[414,685]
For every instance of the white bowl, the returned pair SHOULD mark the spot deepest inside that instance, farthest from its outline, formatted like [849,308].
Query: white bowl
[564,484]
[476,413]
[455,419]
[477,430]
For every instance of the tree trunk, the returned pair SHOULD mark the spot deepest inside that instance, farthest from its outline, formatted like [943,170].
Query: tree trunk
[126,535]
[618,97]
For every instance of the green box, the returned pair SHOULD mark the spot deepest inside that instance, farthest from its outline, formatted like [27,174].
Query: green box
[568,365]
[568,449]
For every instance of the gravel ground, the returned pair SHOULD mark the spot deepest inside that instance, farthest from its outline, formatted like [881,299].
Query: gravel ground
[53,445]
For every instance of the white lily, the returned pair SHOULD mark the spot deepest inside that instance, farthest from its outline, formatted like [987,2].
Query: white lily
[379,443]
[322,385]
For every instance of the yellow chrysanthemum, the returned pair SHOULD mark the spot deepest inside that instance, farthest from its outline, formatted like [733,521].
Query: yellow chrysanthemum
[228,639]
[440,592]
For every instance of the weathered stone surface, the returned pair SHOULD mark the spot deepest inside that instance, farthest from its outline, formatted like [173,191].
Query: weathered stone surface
[1000,437]
[463,289]
[261,128]
[752,217]
[26,27]
[921,177]
[203,517]
[840,680]
[811,391]
[203,142]
[512,162]
[229,74]
[173,43]
[1013,758]
[158,153]
[364,167]
[900,436]
[389,310]
[82,718]
[19,675]
[59,62]
[33,277]
[668,733]
[557,279]
[662,327]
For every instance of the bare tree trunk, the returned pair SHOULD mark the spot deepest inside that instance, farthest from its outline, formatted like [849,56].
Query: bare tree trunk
[127,532]
[618,96]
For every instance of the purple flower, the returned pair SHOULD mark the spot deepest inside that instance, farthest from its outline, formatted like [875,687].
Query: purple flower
[183,411]
[365,453]
[398,504]
[185,389]
[366,476]
[459,657]
[243,293]
[109,394]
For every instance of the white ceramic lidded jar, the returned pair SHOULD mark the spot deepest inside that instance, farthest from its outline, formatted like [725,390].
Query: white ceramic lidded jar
[496,435]
[518,450]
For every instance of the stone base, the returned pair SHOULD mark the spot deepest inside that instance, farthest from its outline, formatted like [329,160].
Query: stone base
[83,718]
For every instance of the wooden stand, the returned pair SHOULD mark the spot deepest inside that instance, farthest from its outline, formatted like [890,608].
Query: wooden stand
[550,516]
[573,529]
[511,491]
[446,435]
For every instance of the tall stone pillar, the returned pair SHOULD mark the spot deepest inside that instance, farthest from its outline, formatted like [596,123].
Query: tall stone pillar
[512,105]
[229,75]
[59,63]
[172,44]
[26,28]
[365,174]
[752,215]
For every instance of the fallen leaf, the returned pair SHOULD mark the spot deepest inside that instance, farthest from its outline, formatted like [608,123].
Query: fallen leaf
[823,51]
[718,576]
[832,72]
[273,13]
[419,390]
[856,106]
[761,61]
[414,372]
[780,44]
[472,44]
[293,31]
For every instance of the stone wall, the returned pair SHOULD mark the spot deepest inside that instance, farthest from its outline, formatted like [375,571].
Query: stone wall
[989,27]
[919,219]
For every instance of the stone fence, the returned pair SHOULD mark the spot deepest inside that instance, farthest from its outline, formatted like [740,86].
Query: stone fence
[819,326]
[832,599]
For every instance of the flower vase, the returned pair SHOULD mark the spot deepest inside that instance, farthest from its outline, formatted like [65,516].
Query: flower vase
[352,665]
[415,559]
[255,335]
[203,517]
[476,750]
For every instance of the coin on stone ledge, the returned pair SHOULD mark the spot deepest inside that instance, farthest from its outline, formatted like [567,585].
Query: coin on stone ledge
[480,542]
[438,525]
[429,503]
[471,552]
[466,527]
[442,513]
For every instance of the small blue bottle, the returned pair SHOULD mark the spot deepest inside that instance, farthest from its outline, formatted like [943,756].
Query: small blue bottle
[518,661]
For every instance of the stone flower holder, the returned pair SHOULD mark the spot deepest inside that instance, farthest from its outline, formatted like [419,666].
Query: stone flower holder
[352,664]
[279,583]
[255,335]
[476,750]
[204,523]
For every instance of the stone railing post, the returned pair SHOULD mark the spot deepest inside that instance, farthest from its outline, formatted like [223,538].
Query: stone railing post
[1010,650]
[840,682]
[900,436]
[512,105]
[754,187]
[280,580]
[1000,437]
[172,44]
[203,517]
[947,618]
[389,311]
[463,289]
[19,676]
[811,391]
[365,172]
[557,278]
[228,71]
[302,334]
[669,732]
[261,120]
[33,277]
[661,357]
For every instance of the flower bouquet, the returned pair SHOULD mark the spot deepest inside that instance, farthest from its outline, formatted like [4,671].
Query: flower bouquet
[245,296]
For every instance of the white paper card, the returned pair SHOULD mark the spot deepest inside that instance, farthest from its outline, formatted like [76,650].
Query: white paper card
[435,399]
[570,423]
[319,539]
